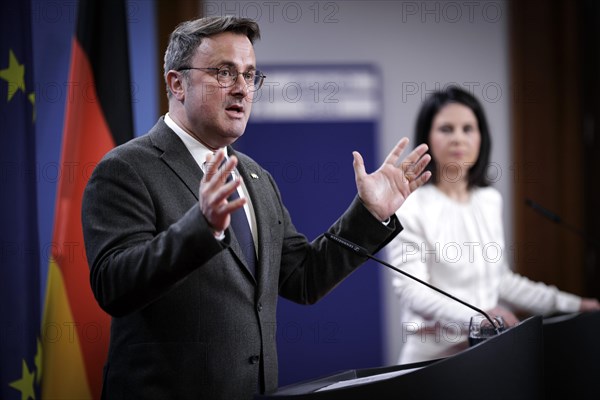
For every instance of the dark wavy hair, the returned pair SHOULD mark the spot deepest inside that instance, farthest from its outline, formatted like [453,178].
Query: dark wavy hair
[188,35]
[429,109]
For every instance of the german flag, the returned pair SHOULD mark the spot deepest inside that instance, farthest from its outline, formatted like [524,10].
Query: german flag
[98,117]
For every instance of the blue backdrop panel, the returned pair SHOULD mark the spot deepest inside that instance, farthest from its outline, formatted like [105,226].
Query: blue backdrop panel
[311,161]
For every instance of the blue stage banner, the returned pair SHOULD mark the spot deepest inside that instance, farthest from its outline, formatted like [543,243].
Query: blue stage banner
[305,123]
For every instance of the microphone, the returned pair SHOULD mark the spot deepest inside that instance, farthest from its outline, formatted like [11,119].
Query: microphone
[361,251]
[558,220]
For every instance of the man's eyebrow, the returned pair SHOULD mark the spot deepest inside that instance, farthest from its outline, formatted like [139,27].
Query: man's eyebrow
[232,65]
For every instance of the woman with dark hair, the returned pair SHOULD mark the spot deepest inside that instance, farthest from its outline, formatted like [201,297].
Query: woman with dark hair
[453,238]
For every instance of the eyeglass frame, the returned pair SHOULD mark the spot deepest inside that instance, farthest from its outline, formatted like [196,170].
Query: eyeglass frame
[258,75]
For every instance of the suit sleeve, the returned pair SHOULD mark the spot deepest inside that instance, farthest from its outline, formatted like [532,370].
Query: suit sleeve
[309,270]
[131,264]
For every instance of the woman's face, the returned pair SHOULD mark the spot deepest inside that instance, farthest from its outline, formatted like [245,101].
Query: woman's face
[454,141]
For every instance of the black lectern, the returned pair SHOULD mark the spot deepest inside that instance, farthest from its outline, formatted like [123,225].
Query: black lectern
[508,366]
[572,355]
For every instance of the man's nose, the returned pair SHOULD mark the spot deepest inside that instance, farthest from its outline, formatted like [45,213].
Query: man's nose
[240,87]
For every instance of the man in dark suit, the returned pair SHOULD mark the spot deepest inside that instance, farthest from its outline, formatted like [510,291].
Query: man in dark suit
[193,311]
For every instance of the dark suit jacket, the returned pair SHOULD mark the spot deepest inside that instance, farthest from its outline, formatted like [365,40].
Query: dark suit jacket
[189,320]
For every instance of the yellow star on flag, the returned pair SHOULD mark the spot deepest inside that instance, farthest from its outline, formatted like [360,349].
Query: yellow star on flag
[31,97]
[14,75]
[25,384]
[38,362]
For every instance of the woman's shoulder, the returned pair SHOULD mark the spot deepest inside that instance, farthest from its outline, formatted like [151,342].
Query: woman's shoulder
[424,198]
[488,196]
[424,195]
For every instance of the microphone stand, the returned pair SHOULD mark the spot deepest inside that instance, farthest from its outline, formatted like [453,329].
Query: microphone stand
[558,220]
[363,252]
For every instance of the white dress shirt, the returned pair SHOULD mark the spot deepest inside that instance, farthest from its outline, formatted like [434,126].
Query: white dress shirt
[199,153]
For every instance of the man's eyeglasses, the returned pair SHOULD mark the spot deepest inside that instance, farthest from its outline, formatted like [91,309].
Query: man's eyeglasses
[227,76]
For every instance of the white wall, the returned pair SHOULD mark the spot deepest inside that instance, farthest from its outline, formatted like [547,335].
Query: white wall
[419,46]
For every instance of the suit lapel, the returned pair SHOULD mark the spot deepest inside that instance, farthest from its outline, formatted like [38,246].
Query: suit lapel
[177,156]
[179,159]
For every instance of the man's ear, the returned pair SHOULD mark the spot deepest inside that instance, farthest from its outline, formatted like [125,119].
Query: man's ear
[176,84]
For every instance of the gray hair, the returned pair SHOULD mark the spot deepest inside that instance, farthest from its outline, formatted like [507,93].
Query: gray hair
[188,35]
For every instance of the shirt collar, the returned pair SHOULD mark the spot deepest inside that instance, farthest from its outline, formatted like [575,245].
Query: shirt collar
[196,149]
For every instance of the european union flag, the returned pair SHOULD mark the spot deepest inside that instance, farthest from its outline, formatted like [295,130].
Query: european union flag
[20,352]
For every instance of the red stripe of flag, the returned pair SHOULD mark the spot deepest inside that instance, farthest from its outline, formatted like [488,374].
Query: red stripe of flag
[98,117]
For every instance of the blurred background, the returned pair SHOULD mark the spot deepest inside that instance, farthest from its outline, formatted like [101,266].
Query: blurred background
[359,70]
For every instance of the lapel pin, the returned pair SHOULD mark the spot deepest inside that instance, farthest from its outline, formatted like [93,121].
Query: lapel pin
[254,176]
